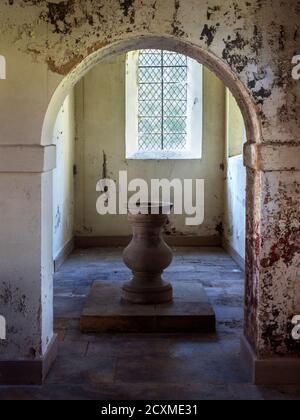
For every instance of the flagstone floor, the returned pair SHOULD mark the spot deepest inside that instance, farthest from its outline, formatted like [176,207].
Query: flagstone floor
[145,366]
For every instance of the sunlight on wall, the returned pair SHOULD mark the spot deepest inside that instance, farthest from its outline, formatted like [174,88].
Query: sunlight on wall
[235,184]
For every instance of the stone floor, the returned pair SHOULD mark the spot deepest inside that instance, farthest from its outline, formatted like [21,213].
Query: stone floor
[160,366]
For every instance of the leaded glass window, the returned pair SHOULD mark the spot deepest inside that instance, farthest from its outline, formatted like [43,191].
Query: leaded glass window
[162,100]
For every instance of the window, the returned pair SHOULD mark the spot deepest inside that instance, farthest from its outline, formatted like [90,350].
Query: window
[162,100]
[163,106]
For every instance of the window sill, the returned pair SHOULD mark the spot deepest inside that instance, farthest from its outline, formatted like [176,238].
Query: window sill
[164,155]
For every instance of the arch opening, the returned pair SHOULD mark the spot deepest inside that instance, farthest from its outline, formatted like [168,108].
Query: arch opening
[207,59]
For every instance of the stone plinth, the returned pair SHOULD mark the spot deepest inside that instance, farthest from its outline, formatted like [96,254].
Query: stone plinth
[105,311]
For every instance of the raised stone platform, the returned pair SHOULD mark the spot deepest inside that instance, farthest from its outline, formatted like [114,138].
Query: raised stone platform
[104,311]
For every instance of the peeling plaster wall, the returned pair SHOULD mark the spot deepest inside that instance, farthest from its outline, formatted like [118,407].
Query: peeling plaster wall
[20,281]
[280,261]
[43,41]
[246,35]
[100,151]
[63,179]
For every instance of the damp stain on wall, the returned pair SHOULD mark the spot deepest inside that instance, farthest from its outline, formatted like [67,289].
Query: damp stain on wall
[208,34]
[128,9]
[13,297]
[176,25]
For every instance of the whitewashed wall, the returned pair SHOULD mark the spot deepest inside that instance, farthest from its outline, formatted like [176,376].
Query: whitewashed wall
[235,183]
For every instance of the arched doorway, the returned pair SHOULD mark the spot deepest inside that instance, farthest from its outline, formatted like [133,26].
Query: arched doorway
[225,74]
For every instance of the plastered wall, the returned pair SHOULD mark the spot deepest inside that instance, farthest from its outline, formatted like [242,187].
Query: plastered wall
[234,233]
[100,153]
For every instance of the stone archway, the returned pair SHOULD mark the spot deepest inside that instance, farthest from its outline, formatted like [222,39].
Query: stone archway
[208,59]
[244,100]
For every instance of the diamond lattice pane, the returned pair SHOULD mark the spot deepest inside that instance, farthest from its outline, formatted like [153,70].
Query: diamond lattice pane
[150,59]
[150,109]
[150,75]
[149,125]
[175,141]
[148,92]
[175,125]
[150,142]
[175,92]
[151,51]
[175,108]
[173,59]
[175,74]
